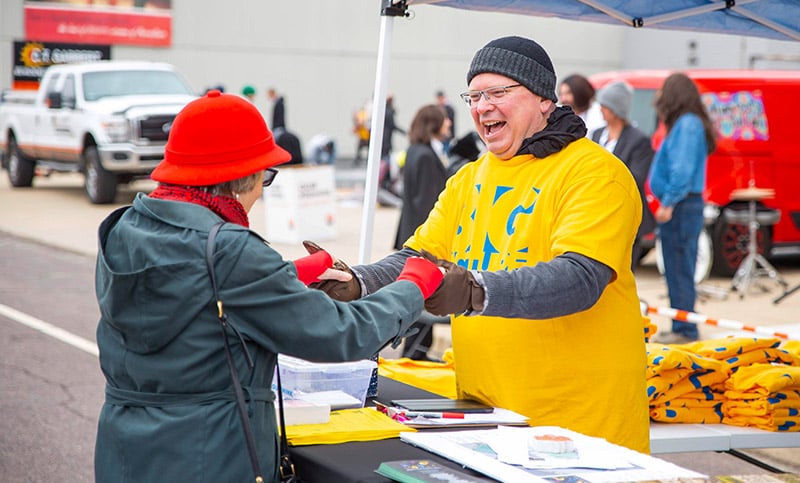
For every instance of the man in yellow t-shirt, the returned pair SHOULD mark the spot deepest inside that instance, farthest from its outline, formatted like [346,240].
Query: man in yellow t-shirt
[536,237]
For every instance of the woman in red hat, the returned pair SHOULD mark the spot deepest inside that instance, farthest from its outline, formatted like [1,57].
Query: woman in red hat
[170,412]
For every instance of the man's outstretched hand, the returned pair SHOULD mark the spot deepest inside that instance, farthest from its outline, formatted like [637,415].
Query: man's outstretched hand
[458,293]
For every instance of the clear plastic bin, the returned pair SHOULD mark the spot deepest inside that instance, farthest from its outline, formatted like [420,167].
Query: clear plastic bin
[301,379]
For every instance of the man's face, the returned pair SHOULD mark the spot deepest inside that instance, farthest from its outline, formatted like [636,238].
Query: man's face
[518,115]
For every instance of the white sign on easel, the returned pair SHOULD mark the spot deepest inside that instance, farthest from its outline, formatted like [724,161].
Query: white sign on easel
[300,205]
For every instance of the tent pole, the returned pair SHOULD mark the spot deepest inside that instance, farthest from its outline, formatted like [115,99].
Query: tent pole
[389,11]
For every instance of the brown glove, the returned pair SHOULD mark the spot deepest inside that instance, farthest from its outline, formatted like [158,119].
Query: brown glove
[458,293]
[342,291]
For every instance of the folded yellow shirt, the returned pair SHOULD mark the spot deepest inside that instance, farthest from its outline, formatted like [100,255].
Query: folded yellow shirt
[730,346]
[705,398]
[779,399]
[671,414]
[686,385]
[661,357]
[759,356]
[782,420]
[763,379]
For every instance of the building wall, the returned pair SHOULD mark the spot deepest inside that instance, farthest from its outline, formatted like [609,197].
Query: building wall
[322,54]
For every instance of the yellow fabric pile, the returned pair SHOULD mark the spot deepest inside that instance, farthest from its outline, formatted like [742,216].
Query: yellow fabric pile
[680,385]
[764,396]
[436,377]
[692,383]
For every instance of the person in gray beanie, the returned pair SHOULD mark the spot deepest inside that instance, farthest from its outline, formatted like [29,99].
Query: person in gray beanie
[630,145]
[535,237]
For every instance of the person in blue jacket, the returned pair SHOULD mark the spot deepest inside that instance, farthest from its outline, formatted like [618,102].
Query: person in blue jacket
[677,179]
[170,412]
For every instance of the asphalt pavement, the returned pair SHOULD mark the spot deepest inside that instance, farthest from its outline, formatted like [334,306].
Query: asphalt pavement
[52,391]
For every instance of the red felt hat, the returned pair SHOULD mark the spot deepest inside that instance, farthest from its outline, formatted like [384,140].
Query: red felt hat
[217,138]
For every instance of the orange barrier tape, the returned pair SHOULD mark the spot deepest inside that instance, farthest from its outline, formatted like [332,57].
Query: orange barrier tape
[695,318]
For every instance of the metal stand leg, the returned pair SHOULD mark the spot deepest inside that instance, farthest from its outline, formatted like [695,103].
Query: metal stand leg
[754,264]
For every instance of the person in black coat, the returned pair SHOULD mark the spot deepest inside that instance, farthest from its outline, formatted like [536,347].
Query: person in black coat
[630,145]
[278,109]
[424,173]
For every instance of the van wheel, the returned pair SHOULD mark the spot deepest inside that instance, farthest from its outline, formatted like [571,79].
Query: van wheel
[730,245]
[705,255]
[20,168]
[101,186]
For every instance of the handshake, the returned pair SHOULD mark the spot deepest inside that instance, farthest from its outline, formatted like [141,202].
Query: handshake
[446,287]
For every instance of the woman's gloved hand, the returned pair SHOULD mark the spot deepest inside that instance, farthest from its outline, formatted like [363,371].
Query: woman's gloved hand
[310,267]
[338,282]
[425,274]
[458,293]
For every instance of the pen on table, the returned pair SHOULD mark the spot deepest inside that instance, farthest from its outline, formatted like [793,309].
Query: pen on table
[432,415]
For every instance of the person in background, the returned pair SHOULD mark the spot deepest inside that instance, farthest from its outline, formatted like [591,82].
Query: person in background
[361,129]
[321,149]
[278,109]
[249,92]
[677,180]
[630,145]
[169,401]
[442,100]
[291,143]
[424,176]
[536,237]
[389,128]
[424,172]
[577,92]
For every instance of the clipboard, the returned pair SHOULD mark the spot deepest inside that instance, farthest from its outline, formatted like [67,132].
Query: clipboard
[466,406]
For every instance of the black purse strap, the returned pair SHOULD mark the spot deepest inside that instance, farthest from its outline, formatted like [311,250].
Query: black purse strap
[224,324]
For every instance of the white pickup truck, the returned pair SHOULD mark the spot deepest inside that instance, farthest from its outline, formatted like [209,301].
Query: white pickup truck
[108,120]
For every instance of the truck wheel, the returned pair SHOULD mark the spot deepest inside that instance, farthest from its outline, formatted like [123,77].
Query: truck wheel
[101,186]
[705,254]
[20,168]
[730,245]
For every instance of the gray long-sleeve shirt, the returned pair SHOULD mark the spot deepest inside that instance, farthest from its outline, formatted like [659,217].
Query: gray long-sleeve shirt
[567,284]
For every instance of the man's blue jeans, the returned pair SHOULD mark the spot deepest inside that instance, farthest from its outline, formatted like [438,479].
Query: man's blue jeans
[679,250]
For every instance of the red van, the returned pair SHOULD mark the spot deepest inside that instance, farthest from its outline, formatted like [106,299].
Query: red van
[758,144]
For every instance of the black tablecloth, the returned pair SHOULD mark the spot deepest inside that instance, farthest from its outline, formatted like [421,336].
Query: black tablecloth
[357,462]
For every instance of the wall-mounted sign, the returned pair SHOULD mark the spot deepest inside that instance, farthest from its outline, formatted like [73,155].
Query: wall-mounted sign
[131,22]
[31,58]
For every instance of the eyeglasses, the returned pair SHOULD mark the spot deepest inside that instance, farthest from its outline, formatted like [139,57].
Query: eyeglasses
[493,95]
[269,176]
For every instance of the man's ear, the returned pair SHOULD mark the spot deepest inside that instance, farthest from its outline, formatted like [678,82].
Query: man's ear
[546,105]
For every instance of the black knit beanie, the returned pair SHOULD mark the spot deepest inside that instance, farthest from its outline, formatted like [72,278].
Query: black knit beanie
[519,58]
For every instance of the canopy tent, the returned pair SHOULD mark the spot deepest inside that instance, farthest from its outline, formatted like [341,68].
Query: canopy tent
[774,19]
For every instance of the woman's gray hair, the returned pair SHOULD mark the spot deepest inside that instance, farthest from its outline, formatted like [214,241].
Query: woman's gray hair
[241,185]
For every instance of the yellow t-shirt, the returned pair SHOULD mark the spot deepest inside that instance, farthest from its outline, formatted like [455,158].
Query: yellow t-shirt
[584,371]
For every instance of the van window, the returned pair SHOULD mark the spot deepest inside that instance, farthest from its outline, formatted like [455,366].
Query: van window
[643,113]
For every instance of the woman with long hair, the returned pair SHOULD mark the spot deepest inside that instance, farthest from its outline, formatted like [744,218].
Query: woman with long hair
[677,179]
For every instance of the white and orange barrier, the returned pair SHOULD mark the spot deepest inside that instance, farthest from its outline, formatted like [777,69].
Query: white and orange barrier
[695,318]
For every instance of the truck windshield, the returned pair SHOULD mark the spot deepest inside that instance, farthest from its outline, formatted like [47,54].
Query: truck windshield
[97,85]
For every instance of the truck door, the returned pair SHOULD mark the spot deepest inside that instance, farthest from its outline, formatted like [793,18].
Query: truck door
[43,131]
[63,142]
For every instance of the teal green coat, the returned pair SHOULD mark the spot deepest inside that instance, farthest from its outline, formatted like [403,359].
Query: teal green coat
[170,412]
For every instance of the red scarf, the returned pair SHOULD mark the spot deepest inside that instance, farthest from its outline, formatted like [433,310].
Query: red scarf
[229,209]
